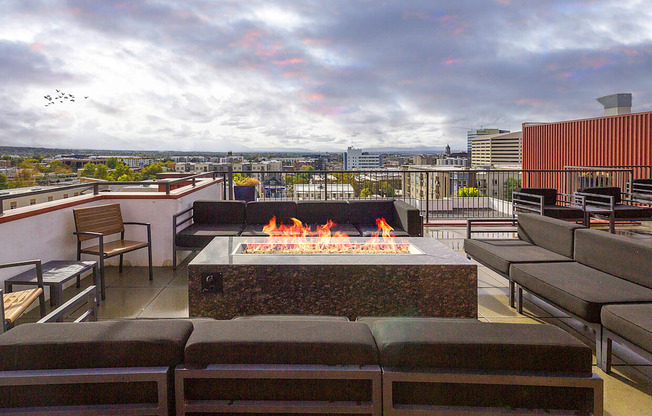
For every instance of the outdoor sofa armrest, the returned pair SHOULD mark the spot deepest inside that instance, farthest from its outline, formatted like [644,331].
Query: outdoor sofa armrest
[527,202]
[601,201]
[499,221]
[176,224]
[88,295]
[409,218]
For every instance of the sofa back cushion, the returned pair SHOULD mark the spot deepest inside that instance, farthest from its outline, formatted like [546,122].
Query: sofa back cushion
[219,212]
[366,212]
[618,255]
[261,212]
[549,194]
[603,190]
[319,212]
[549,233]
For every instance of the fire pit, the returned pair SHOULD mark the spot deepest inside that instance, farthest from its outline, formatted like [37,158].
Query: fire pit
[423,278]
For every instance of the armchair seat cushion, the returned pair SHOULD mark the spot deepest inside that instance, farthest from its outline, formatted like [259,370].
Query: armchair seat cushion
[499,254]
[367,230]
[632,322]
[563,212]
[199,235]
[283,341]
[479,346]
[106,344]
[631,211]
[577,288]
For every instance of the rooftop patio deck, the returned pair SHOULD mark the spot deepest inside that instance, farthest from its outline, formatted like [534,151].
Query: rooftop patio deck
[628,389]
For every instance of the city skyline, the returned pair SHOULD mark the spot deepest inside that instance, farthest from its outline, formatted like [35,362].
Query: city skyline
[309,75]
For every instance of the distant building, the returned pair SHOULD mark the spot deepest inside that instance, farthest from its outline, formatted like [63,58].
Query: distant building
[451,161]
[424,159]
[355,159]
[472,134]
[493,150]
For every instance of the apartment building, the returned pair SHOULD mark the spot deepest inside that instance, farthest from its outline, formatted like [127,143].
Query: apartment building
[495,150]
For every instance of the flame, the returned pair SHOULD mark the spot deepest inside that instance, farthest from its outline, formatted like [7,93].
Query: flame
[298,238]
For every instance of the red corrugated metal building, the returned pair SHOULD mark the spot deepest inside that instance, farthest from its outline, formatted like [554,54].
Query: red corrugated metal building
[622,140]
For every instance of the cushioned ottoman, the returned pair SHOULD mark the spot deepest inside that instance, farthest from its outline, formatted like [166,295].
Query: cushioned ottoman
[91,366]
[439,366]
[279,366]
[630,325]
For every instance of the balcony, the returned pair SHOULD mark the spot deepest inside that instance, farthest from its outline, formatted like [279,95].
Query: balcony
[45,231]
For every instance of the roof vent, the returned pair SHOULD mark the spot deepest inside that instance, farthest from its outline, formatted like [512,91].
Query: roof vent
[616,104]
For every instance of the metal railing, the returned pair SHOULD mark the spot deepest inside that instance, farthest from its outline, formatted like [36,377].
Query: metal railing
[101,186]
[439,194]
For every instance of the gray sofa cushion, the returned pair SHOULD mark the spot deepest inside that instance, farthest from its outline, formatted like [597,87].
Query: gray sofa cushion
[104,344]
[219,212]
[619,255]
[632,322]
[319,212]
[295,318]
[499,254]
[250,341]
[549,233]
[579,289]
[261,212]
[479,346]
[199,235]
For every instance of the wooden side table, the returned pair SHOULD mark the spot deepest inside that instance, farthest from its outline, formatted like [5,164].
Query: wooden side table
[55,274]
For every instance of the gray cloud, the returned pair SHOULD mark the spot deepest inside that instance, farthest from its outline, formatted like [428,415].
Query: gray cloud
[206,75]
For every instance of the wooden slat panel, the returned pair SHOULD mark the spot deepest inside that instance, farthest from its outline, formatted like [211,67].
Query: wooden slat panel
[15,303]
[105,219]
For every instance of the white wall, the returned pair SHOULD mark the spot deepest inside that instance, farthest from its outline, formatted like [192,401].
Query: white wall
[48,236]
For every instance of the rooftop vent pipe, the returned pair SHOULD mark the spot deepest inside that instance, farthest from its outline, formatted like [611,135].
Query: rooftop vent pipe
[616,104]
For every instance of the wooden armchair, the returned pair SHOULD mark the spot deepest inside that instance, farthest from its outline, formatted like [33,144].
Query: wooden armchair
[100,221]
[15,303]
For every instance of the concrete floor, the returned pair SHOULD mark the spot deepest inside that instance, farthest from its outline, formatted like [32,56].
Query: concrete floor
[628,390]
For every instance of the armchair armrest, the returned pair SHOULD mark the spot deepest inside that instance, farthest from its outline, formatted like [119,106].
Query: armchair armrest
[136,223]
[36,263]
[527,202]
[88,295]
[499,221]
[602,201]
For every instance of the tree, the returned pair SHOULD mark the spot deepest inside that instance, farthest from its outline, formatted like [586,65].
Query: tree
[149,172]
[365,192]
[112,162]
[122,173]
[4,182]
[88,171]
[511,185]
[101,172]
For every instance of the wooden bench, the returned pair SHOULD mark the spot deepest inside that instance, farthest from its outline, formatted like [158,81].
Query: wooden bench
[105,220]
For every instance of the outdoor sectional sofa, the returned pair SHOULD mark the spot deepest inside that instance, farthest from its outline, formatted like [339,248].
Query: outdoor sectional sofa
[287,364]
[194,227]
[599,278]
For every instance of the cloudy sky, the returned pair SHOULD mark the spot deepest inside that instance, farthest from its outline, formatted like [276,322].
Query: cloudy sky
[218,75]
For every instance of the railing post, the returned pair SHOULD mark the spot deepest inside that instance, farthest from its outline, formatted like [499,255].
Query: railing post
[168,187]
[427,197]
[230,184]
[96,188]
[194,182]
[325,186]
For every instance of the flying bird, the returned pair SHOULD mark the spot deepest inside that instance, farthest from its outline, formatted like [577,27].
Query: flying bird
[61,96]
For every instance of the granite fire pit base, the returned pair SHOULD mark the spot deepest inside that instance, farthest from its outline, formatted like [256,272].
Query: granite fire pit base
[435,281]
